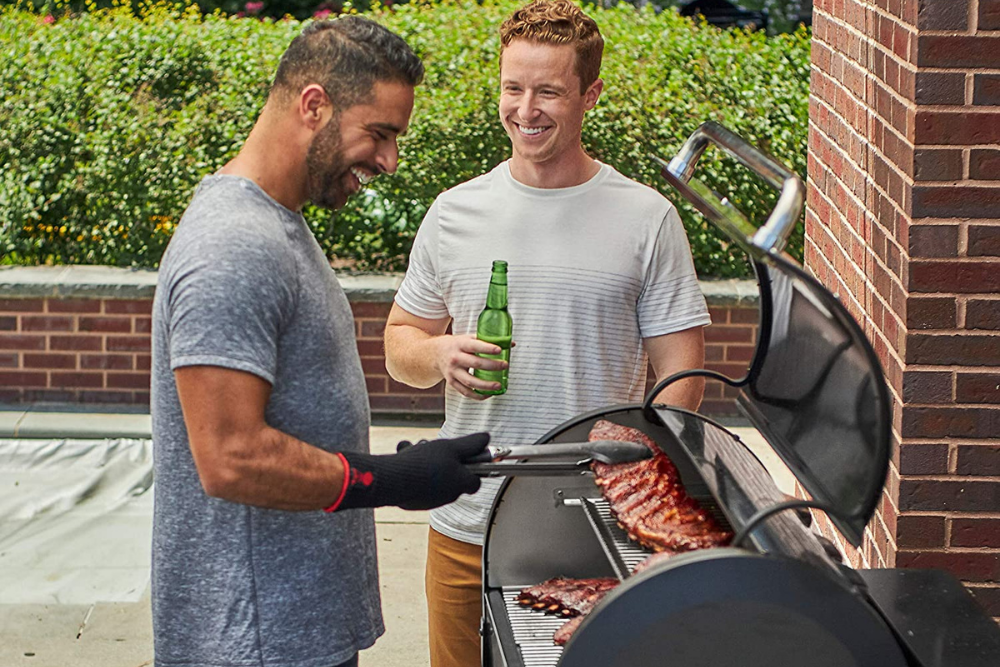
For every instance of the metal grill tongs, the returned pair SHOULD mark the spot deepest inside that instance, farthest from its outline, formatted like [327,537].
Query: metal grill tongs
[575,457]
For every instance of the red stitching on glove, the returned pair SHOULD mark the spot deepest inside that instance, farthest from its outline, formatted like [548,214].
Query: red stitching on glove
[348,473]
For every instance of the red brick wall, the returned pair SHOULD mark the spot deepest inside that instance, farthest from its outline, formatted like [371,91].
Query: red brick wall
[74,350]
[97,351]
[904,196]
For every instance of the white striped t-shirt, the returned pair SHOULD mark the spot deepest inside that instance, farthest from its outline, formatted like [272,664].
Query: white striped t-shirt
[592,270]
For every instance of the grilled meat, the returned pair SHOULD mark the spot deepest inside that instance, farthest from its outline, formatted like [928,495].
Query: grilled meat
[567,597]
[566,630]
[649,501]
[654,560]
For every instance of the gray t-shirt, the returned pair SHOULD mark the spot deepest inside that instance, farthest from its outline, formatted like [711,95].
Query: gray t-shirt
[244,285]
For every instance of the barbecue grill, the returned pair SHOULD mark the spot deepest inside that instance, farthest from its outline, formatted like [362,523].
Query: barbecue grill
[780,595]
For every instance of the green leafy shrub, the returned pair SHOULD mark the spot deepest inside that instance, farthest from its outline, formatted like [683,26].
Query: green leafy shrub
[275,9]
[108,121]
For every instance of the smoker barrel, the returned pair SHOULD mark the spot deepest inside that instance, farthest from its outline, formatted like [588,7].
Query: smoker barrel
[781,598]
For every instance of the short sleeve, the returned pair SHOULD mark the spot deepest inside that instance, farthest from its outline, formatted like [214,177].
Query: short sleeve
[228,300]
[672,299]
[420,293]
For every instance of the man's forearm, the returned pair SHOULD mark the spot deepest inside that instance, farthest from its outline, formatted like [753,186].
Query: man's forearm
[685,393]
[673,353]
[410,355]
[281,473]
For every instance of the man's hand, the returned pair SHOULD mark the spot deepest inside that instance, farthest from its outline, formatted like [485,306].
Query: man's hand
[420,353]
[457,354]
[418,477]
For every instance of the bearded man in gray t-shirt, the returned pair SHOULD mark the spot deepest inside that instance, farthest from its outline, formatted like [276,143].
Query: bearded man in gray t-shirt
[260,413]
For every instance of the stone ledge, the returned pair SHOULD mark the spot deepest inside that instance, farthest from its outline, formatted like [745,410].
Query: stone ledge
[117,283]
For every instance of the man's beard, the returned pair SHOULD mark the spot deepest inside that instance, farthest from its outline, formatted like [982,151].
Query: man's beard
[325,168]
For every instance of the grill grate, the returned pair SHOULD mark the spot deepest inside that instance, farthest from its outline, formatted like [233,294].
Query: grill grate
[533,631]
[623,553]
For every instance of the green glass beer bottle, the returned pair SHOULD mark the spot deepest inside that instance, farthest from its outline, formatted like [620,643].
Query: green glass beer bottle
[495,326]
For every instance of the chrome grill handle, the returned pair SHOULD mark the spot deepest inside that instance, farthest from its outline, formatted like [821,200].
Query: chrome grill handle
[770,237]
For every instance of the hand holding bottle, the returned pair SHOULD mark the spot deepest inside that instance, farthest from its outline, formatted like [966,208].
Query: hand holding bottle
[457,354]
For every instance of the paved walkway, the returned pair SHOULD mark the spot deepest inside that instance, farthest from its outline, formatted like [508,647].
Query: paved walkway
[119,635]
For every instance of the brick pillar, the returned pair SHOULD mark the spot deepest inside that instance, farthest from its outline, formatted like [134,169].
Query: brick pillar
[903,222]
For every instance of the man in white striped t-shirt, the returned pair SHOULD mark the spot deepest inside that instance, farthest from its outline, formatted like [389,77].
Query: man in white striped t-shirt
[600,275]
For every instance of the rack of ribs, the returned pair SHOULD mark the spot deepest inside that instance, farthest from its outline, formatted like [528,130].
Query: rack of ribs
[566,597]
[571,598]
[648,499]
[566,630]
[649,502]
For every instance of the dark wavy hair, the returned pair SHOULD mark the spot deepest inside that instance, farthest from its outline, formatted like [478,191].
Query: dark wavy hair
[346,56]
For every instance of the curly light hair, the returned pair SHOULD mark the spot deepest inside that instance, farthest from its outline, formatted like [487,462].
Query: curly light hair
[558,22]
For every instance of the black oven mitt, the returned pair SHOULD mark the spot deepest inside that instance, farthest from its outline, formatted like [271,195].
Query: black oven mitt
[417,477]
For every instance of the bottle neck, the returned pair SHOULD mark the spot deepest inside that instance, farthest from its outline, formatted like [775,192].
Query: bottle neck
[496,298]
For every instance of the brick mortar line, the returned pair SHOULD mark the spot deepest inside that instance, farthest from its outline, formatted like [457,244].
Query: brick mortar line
[969,222]
[950,514]
[880,519]
[984,259]
[962,182]
[974,147]
[958,33]
[958,70]
[952,444]
[952,457]
[964,108]
[896,19]
[952,368]
[966,333]
[986,551]
[986,479]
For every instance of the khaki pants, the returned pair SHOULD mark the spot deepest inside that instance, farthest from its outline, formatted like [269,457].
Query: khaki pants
[454,601]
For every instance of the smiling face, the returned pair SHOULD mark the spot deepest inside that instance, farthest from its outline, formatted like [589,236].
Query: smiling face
[357,145]
[541,106]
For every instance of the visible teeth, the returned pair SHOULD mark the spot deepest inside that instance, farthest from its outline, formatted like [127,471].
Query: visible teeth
[362,177]
[531,130]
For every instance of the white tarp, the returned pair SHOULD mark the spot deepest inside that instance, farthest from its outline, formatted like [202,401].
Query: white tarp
[75,520]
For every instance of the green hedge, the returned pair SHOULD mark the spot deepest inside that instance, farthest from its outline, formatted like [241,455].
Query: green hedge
[108,121]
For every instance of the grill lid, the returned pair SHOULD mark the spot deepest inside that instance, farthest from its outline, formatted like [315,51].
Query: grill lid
[818,395]
[815,389]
